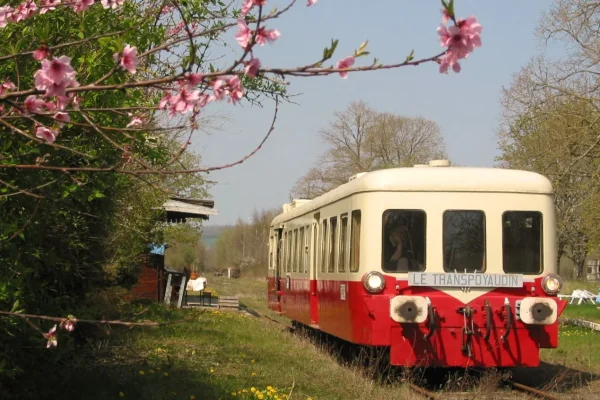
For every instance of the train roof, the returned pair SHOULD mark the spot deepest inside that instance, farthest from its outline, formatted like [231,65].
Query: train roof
[435,177]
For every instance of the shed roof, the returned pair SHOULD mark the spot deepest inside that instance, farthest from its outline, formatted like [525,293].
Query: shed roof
[179,208]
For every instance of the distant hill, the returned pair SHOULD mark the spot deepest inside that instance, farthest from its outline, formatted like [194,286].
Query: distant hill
[211,233]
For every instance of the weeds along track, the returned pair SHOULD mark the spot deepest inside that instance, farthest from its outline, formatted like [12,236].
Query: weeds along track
[426,393]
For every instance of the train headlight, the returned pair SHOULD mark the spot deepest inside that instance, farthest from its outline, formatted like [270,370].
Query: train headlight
[552,283]
[374,282]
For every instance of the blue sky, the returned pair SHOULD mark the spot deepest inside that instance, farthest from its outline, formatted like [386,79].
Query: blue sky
[466,105]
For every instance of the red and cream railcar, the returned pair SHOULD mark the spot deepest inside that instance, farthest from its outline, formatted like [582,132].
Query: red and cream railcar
[444,266]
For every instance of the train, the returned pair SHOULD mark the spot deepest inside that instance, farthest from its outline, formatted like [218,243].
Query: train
[439,265]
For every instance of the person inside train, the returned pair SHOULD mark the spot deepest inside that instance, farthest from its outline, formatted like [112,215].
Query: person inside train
[402,258]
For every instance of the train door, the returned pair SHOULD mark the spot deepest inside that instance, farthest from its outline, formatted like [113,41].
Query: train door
[274,273]
[314,287]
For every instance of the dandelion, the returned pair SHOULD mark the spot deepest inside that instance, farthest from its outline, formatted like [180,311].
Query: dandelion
[253,389]
[254,374]
[212,371]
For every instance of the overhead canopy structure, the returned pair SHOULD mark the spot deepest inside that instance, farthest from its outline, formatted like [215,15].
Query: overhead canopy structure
[179,209]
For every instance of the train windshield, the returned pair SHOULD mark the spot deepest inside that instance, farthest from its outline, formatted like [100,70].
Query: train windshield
[522,242]
[464,241]
[403,241]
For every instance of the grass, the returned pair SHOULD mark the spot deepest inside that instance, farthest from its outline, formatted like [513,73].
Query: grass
[588,312]
[214,356]
[218,354]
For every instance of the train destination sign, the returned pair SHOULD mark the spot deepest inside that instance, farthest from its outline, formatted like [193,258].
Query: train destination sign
[464,279]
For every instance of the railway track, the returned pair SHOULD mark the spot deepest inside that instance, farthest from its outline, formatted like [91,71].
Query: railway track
[427,394]
[532,392]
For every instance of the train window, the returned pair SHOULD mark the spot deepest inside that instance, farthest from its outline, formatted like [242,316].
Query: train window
[464,241]
[301,251]
[295,252]
[355,241]
[289,252]
[314,251]
[324,246]
[285,252]
[271,252]
[522,242]
[403,241]
[305,249]
[332,238]
[342,244]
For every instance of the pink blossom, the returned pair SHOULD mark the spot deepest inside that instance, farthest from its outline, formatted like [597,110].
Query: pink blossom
[445,16]
[230,86]
[55,76]
[69,323]
[263,35]
[461,40]
[6,13]
[311,3]
[235,89]
[6,86]
[62,118]
[164,101]
[194,79]
[244,34]
[219,89]
[112,3]
[166,9]
[129,60]
[345,63]
[183,101]
[176,29]
[33,104]
[25,10]
[252,67]
[57,69]
[81,5]
[135,121]
[52,334]
[49,135]
[41,53]
[48,5]
[247,5]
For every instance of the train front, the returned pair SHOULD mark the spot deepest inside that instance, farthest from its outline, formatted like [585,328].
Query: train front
[466,279]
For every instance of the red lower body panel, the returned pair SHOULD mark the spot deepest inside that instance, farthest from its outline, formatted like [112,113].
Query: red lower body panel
[354,315]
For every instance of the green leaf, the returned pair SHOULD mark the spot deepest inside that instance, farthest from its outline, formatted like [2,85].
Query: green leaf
[411,56]
[96,195]
[361,50]
[15,306]
[328,51]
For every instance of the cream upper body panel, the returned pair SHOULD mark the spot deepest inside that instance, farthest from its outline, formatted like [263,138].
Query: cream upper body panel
[430,179]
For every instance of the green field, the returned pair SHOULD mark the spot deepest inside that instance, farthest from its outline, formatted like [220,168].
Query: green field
[224,355]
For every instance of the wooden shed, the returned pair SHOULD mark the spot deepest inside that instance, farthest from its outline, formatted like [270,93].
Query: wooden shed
[151,279]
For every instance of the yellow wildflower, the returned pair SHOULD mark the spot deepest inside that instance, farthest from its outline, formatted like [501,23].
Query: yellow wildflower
[192,397]
[252,361]
[142,372]
[121,394]
[233,393]
[254,374]
[253,390]
[166,374]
